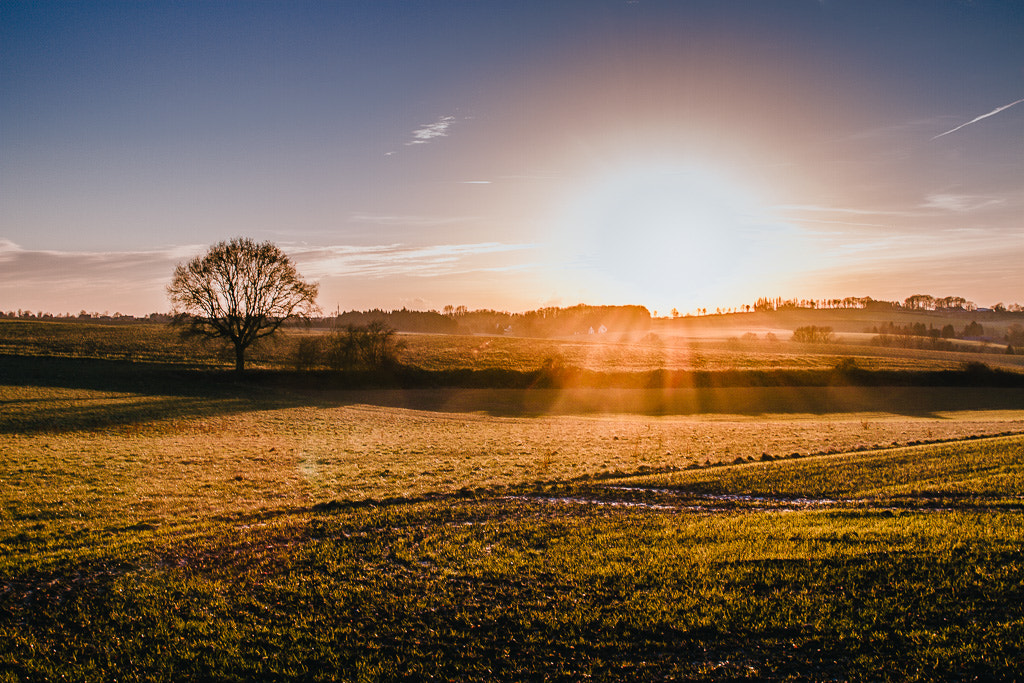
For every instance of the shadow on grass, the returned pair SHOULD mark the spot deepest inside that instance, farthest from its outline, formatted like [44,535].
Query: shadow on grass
[155,391]
[130,393]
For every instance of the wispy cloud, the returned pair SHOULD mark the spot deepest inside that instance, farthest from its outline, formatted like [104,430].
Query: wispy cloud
[430,131]
[69,281]
[408,220]
[960,203]
[816,208]
[817,215]
[979,118]
[843,257]
[73,269]
[136,280]
[399,259]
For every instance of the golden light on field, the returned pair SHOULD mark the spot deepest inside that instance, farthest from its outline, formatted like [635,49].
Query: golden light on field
[670,234]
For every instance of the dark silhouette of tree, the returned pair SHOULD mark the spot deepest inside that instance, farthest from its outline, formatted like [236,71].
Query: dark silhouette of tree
[920,302]
[952,303]
[402,320]
[1015,335]
[241,291]
[973,330]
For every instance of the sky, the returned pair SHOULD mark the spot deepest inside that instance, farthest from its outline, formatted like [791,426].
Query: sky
[515,155]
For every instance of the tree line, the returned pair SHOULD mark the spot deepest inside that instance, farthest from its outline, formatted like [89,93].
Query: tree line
[917,336]
[554,321]
[543,322]
[916,302]
[973,330]
[241,291]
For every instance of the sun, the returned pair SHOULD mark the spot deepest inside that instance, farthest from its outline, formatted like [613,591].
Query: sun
[664,234]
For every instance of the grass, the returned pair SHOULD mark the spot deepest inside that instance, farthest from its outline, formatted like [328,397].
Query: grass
[957,470]
[613,354]
[138,342]
[496,589]
[165,523]
[157,343]
[89,461]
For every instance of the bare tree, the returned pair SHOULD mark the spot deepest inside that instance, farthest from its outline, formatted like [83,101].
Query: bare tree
[241,291]
[920,301]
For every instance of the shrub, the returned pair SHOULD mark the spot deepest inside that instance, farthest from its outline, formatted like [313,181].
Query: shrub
[813,334]
[308,353]
[363,347]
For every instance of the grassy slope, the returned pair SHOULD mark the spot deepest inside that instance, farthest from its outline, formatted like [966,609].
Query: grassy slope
[504,587]
[153,529]
[265,541]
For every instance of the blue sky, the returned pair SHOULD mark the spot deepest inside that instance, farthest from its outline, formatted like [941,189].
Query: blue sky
[515,155]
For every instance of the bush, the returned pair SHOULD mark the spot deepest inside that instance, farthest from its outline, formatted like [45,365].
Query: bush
[354,347]
[813,334]
[308,353]
[363,347]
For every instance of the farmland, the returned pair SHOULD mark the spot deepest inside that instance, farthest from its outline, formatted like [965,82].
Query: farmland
[163,520]
[714,348]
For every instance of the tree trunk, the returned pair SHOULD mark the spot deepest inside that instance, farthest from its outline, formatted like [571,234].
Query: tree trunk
[239,359]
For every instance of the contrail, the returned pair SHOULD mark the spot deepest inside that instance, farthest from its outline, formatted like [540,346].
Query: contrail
[983,116]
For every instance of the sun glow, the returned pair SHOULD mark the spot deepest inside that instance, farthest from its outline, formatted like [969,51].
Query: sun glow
[668,235]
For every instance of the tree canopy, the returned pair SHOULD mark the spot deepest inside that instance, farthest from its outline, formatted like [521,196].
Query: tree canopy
[241,291]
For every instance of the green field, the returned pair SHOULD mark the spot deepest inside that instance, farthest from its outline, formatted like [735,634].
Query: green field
[144,342]
[165,521]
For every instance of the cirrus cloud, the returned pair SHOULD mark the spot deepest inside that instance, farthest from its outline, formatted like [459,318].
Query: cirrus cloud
[135,281]
[401,259]
[430,131]
[960,203]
